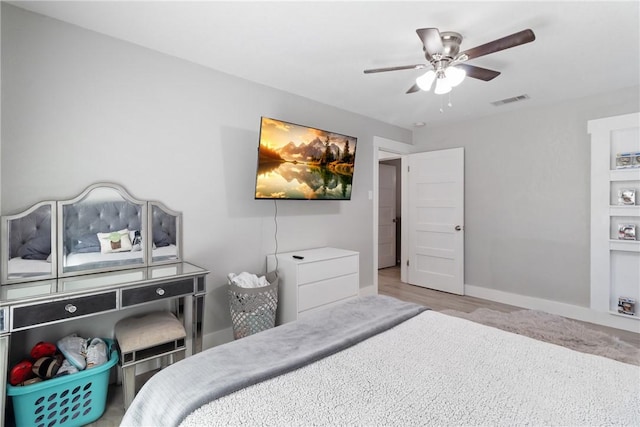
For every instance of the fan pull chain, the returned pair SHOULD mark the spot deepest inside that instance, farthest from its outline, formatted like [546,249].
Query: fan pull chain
[441,106]
[449,104]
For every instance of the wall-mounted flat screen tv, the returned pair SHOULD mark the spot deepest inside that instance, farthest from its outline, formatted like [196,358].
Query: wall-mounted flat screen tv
[303,163]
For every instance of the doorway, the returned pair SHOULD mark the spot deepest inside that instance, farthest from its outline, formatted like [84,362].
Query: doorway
[389,212]
[384,151]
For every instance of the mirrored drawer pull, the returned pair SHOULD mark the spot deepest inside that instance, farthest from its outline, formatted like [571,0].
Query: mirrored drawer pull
[70,308]
[160,291]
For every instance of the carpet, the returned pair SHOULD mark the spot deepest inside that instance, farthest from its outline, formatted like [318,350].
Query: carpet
[556,330]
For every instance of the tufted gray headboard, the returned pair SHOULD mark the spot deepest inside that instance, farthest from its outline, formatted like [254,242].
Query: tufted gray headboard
[164,227]
[31,234]
[84,219]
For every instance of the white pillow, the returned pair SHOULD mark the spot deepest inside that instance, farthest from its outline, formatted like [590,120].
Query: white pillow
[117,241]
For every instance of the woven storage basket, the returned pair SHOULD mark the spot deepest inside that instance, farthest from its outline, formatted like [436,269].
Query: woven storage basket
[253,309]
[70,400]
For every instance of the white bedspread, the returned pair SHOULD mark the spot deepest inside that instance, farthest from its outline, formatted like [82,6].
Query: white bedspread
[74,259]
[436,369]
[19,267]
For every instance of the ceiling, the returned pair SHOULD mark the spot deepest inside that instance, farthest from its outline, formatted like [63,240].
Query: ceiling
[319,50]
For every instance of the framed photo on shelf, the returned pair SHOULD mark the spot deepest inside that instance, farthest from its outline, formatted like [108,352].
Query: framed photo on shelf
[628,160]
[623,160]
[627,196]
[627,231]
[627,306]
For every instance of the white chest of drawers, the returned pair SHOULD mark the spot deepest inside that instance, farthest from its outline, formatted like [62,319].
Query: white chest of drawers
[322,277]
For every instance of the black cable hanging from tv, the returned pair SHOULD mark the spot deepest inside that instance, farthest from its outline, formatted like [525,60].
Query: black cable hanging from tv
[275,234]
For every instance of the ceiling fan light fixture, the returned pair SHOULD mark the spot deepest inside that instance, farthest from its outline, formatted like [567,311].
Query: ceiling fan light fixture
[442,86]
[454,75]
[442,52]
[425,81]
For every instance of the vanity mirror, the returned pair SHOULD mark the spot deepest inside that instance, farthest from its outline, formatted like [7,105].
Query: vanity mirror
[27,240]
[102,229]
[166,233]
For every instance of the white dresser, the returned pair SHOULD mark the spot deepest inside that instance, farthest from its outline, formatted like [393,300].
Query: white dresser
[319,278]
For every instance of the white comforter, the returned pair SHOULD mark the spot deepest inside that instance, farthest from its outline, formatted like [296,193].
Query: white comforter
[74,259]
[436,369]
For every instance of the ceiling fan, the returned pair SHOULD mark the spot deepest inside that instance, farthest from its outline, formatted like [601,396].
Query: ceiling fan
[447,63]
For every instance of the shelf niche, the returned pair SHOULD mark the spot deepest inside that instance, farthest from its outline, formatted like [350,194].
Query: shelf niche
[615,262]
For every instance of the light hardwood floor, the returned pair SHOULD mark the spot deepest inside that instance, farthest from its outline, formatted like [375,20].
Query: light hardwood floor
[389,284]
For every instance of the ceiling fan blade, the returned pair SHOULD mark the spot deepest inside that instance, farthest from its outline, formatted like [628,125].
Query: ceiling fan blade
[516,39]
[401,67]
[431,40]
[413,89]
[479,72]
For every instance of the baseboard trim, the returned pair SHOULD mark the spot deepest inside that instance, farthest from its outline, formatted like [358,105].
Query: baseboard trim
[584,314]
[216,338]
[368,290]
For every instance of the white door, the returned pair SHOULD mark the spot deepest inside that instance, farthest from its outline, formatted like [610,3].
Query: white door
[386,216]
[436,220]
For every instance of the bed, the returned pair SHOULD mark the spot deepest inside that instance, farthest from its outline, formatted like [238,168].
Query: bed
[377,360]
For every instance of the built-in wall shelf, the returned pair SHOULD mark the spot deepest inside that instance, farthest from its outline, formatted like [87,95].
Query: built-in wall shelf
[624,210]
[631,174]
[615,250]
[626,316]
[624,245]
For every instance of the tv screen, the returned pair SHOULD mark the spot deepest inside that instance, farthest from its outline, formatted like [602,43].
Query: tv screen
[303,163]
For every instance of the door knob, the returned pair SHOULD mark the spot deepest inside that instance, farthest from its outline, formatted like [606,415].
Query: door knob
[458,228]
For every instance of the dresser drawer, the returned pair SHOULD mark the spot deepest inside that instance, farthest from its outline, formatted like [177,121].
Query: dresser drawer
[54,311]
[150,293]
[326,269]
[327,291]
[311,311]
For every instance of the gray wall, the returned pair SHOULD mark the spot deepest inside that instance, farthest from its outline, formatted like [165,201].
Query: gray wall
[527,195]
[79,107]
[0,110]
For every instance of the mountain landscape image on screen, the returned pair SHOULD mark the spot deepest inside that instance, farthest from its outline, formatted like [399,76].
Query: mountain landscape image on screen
[299,162]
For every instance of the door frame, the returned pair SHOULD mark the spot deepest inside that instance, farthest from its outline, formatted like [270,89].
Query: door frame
[400,149]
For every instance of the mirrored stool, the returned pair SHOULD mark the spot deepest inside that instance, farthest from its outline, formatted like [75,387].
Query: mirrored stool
[151,338]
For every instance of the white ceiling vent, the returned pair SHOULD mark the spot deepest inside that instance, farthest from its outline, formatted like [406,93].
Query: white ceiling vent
[510,100]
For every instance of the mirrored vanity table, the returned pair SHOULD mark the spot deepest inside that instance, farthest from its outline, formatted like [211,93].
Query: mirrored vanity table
[101,252]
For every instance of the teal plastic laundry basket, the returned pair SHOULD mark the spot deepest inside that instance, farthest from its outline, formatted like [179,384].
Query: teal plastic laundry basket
[68,401]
